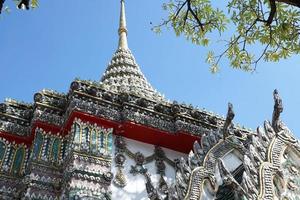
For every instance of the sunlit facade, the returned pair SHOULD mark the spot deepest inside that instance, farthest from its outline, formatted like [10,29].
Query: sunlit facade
[119,138]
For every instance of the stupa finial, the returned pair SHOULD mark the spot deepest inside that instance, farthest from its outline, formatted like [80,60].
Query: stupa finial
[122,28]
[123,75]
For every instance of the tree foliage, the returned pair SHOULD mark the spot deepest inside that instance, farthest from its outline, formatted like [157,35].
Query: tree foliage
[257,29]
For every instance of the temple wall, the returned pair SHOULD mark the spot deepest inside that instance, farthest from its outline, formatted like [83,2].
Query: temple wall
[135,187]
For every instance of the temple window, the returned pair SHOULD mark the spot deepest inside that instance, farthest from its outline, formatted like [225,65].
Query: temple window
[18,161]
[77,130]
[2,152]
[85,138]
[55,150]
[101,141]
[93,144]
[37,145]
[109,141]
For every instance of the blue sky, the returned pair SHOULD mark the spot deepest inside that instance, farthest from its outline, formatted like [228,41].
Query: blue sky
[50,46]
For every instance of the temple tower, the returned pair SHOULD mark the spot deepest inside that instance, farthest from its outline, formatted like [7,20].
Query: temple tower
[118,138]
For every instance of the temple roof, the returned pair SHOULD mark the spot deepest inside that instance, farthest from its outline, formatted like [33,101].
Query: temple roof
[123,74]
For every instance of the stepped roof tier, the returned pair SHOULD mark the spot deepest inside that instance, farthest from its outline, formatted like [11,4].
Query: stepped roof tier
[123,75]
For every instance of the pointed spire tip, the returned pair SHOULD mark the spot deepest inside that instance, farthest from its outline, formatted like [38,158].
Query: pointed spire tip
[122,28]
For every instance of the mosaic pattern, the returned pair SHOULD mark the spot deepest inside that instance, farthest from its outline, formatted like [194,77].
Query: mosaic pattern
[47,154]
[88,161]
[267,166]
[12,158]
[92,139]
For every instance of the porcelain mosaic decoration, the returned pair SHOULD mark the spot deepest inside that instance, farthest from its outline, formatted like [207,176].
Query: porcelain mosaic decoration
[121,139]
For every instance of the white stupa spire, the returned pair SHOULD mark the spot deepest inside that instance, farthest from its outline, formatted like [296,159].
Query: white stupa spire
[123,73]
[122,28]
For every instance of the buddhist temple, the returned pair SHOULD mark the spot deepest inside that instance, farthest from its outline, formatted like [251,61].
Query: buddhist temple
[119,138]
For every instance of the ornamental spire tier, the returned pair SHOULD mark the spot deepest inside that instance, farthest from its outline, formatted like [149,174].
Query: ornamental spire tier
[123,75]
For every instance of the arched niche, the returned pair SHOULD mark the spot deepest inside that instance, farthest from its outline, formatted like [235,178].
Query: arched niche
[38,143]
[2,152]
[108,142]
[93,142]
[18,161]
[55,150]
[77,133]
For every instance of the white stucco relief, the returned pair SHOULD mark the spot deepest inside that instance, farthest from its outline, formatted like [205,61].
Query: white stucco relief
[135,188]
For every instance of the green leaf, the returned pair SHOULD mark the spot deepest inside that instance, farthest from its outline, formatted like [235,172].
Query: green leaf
[34,3]
[243,22]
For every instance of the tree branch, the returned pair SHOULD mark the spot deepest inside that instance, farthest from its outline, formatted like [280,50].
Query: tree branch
[291,2]
[194,15]
[272,12]
[1,5]
[178,11]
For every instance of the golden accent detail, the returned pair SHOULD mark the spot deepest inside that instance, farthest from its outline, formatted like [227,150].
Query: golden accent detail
[122,30]
[14,117]
[90,156]
[47,166]
[48,106]
[96,98]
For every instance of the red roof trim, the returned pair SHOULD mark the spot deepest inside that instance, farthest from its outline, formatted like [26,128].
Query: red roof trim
[179,141]
[182,142]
